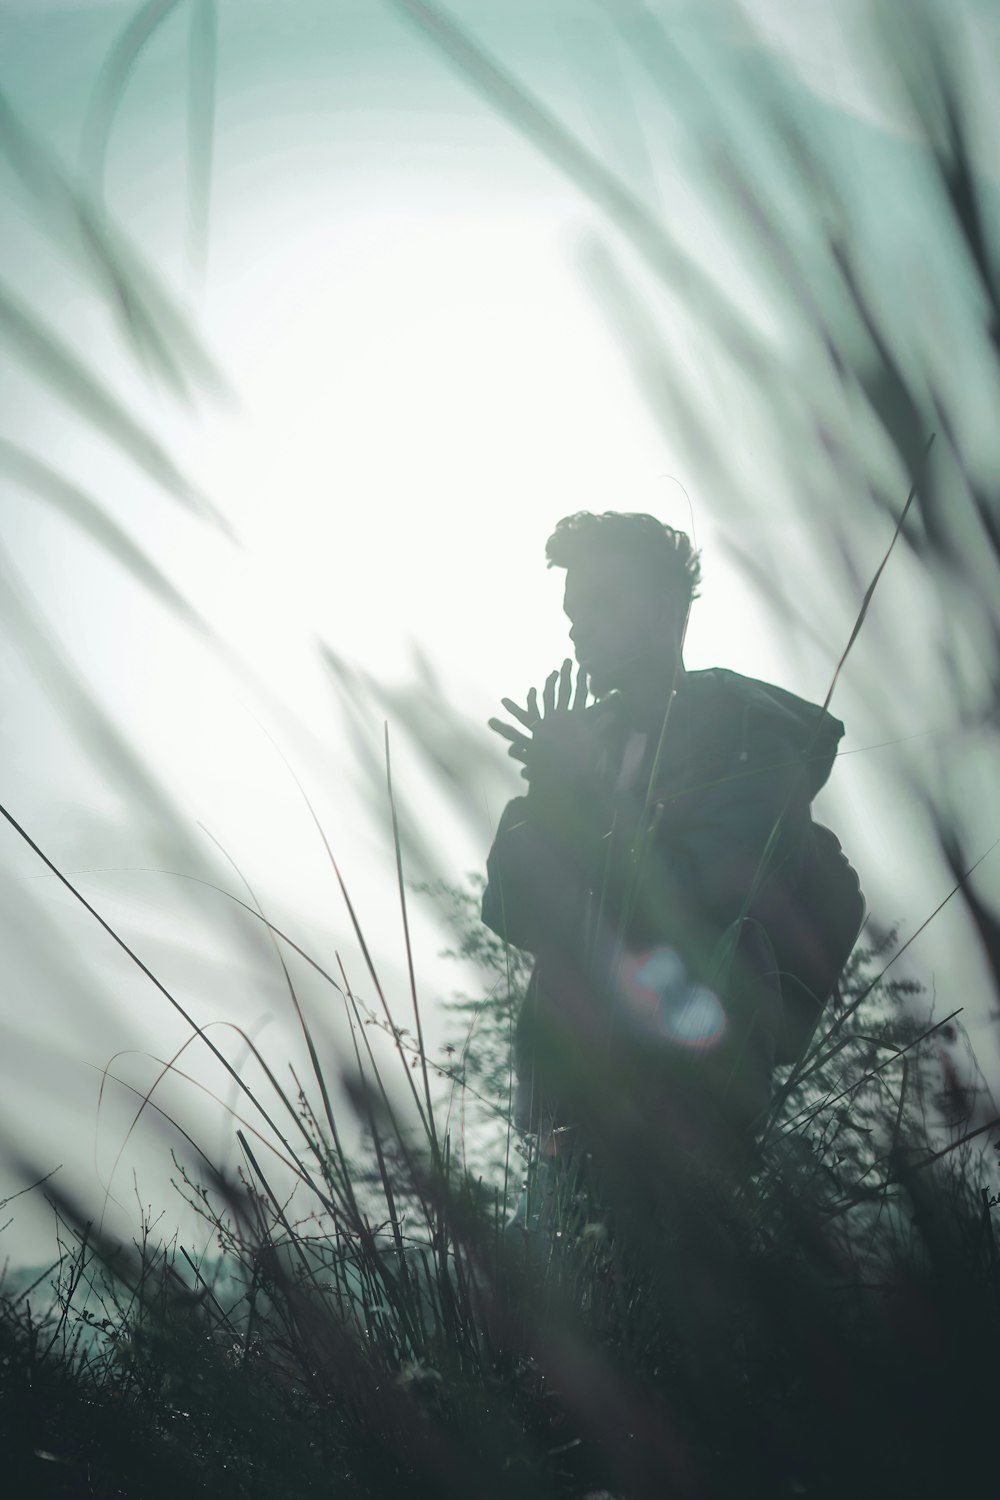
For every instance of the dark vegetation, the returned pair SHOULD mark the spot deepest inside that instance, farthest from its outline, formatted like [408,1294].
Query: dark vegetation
[801,1333]
[823,1323]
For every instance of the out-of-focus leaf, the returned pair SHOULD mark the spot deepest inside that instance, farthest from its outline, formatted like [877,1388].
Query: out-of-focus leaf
[63,371]
[107,744]
[537,123]
[161,336]
[112,81]
[985,920]
[202,59]
[935,83]
[80,508]
[667,394]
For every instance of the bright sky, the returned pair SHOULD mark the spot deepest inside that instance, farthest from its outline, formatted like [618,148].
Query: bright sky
[425,382]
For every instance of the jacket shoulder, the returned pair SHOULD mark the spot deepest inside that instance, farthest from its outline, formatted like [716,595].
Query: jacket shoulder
[764,708]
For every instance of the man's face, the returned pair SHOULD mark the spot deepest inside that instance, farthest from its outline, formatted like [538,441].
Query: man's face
[621,626]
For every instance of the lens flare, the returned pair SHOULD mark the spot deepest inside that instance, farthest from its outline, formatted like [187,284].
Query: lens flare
[655,997]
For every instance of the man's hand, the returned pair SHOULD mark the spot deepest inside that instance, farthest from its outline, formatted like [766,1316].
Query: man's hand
[554,746]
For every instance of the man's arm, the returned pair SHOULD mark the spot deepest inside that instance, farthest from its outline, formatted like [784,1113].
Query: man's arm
[548,845]
[535,886]
[548,852]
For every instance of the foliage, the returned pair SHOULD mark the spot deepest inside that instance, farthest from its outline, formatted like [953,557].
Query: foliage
[711,1340]
[479,1047]
[823,1323]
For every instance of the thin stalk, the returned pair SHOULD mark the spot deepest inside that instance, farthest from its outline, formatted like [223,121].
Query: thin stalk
[409,951]
[200,1032]
[303,1024]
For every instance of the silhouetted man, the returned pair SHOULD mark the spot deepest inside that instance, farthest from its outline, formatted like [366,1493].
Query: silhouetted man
[687,917]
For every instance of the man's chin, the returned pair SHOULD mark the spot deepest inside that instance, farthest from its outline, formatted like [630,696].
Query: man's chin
[600,681]
[603,676]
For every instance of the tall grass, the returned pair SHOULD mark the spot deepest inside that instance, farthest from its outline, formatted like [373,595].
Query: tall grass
[377,1329]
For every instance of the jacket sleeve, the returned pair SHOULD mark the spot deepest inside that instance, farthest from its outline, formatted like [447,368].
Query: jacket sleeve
[544,859]
[736,846]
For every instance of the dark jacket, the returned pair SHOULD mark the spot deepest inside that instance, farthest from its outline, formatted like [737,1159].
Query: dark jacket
[732,837]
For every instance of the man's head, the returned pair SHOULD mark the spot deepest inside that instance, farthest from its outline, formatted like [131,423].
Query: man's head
[629,584]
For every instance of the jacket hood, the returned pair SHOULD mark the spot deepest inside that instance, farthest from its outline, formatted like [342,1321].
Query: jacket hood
[809,727]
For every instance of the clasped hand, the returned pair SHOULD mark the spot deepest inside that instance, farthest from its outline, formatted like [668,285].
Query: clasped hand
[554,746]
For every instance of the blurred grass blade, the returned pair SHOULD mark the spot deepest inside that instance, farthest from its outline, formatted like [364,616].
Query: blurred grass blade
[339,1156]
[198,1032]
[873,586]
[91,725]
[509,97]
[202,62]
[351,689]
[985,920]
[80,233]
[656,373]
[432,1128]
[612,113]
[83,511]
[942,98]
[80,508]
[82,388]
[163,339]
[110,87]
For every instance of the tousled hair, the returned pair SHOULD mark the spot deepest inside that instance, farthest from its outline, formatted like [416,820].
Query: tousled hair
[666,556]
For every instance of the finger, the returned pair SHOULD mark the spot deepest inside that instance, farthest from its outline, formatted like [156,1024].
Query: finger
[549,696]
[581,690]
[565,683]
[508,732]
[521,714]
[533,706]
